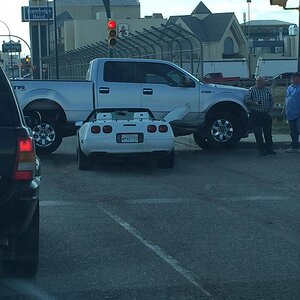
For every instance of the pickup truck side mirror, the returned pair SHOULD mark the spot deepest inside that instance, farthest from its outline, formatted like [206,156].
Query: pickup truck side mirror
[187,82]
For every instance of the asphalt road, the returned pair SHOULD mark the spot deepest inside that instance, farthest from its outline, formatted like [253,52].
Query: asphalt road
[220,225]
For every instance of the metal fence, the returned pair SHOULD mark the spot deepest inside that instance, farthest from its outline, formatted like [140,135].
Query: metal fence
[168,42]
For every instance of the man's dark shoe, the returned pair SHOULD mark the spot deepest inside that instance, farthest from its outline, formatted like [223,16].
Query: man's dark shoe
[271,152]
[262,152]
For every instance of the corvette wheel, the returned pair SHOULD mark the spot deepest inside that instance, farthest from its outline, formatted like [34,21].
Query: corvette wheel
[167,161]
[84,162]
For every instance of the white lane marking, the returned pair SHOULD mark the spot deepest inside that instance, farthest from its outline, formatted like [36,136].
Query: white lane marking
[158,200]
[172,262]
[57,203]
[254,198]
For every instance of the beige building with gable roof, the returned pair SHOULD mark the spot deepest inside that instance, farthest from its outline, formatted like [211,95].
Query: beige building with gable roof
[217,38]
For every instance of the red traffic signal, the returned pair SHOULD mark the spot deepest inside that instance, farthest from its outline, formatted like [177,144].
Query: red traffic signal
[111,24]
[112,32]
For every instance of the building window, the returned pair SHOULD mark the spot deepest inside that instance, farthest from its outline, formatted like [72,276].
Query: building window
[228,46]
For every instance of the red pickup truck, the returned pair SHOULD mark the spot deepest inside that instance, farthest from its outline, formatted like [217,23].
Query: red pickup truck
[218,78]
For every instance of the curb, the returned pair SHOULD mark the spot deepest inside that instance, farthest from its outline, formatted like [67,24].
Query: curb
[280,141]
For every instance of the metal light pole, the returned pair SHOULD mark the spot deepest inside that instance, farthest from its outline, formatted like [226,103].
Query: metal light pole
[55,37]
[55,41]
[249,1]
[248,39]
[11,59]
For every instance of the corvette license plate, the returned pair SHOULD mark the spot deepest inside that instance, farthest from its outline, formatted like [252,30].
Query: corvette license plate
[129,138]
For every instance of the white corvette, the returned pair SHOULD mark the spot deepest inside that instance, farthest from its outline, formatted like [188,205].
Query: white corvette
[126,131]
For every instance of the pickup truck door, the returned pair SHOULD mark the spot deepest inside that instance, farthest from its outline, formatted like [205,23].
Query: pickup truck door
[164,88]
[119,87]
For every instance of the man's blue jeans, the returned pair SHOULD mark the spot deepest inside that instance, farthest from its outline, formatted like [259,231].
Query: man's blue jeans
[295,131]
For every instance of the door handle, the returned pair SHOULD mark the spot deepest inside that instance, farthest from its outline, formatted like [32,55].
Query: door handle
[147,91]
[104,90]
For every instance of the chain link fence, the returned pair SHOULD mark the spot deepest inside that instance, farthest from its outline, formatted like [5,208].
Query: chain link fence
[168,42]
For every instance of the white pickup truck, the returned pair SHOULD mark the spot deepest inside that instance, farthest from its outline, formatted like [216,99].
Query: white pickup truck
[218,116]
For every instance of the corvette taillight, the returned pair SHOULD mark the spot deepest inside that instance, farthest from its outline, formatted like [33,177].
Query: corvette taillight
[107,129]
[25,161]
[163,128]
[95,129]
[151,128]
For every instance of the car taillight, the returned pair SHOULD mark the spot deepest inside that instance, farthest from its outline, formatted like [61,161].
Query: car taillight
[95,129]
[163,128]
[25,161]
[151,128]
[107,129]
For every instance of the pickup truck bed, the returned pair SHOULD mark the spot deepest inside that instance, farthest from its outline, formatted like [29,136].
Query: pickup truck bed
[218,78]
[60,104]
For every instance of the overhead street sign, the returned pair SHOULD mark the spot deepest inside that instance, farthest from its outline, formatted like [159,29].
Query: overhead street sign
[11,47]
[36,13]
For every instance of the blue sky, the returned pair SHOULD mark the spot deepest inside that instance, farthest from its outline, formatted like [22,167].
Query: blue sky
[10,13]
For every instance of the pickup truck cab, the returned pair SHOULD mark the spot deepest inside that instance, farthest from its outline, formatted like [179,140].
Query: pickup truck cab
[19,188]
[218,116]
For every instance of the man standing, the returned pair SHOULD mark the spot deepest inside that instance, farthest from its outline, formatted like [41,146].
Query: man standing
[260,102]
[292,110]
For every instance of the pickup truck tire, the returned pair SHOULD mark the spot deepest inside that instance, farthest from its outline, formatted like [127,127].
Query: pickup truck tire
[47,137]
[25,251]
[167,161]
[222,131]
[84,162]
[201,141]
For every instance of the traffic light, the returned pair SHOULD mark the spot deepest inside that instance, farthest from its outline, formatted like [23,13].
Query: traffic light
[278,2]
[27,59]
[112,32]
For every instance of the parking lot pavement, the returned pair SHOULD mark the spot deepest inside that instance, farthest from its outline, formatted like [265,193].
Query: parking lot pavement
[219,225]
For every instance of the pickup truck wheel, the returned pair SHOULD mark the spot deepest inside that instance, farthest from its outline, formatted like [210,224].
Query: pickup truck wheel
[47,137]
[167,161]
[201,141]
[84,162]
[222,131]
[22,256]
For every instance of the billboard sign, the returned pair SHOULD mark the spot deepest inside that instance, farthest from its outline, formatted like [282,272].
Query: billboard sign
[36,13]
[11,47]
